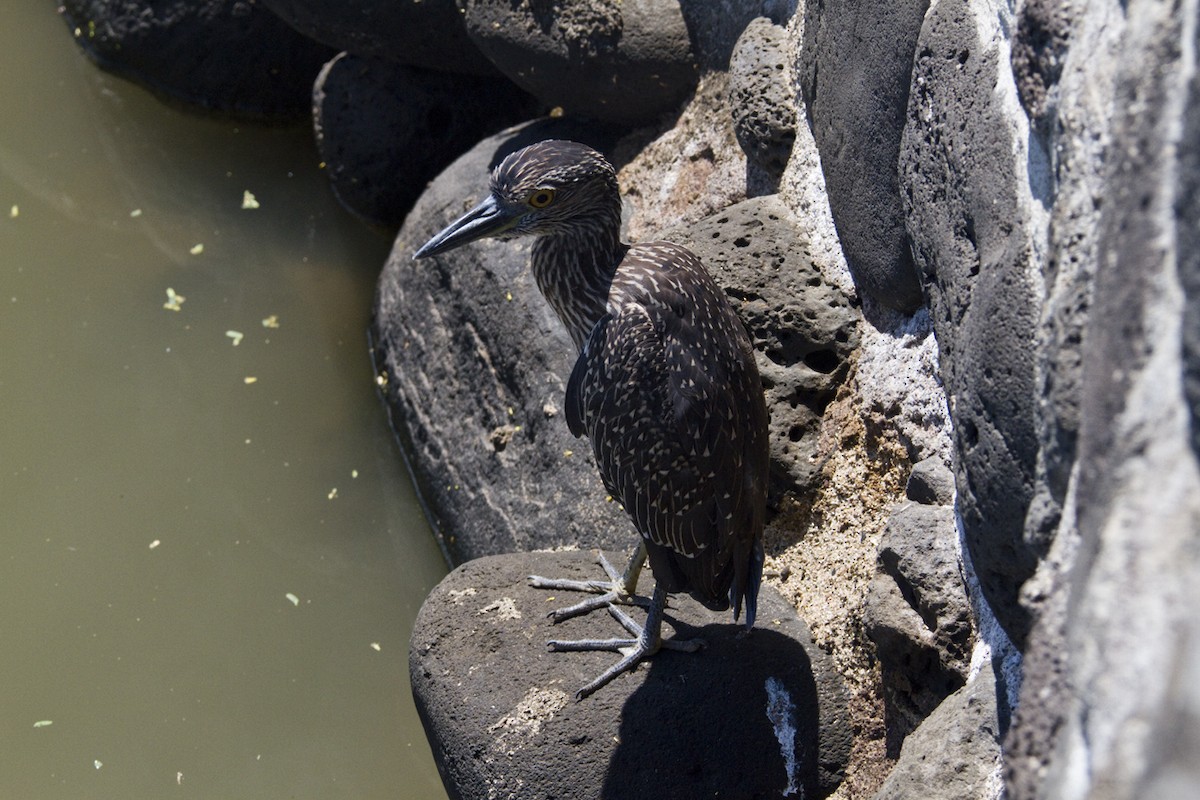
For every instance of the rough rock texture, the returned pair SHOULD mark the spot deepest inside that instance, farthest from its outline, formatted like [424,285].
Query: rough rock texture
[955,752]
[476,366]
[1046,174]
[803,328]
[745,717]
[973,221]
[761,98]
[623,62]
[226,56]
[421,33]
[375,120]
[930,482]
[1124,566]
[855,65]
[918,615]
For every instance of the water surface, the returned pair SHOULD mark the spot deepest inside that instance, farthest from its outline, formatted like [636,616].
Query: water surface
[211,553]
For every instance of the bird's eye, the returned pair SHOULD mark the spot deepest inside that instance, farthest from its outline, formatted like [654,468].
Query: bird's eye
[541,198]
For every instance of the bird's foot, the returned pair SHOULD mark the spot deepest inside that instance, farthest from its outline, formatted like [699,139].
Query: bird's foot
[614,590]
[647,640]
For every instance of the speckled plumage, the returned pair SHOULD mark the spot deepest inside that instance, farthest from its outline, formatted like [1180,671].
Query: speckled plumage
[665,386]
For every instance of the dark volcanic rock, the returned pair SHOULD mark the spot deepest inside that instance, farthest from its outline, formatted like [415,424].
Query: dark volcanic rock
[762,98]
[855,68]
[918,614]
[955,752]
[226,56]
[384,130]
[476,366]
[931,482]
[623,62]
[967,197]
[804,329]
[1043,34]
[747,716]
[420,33]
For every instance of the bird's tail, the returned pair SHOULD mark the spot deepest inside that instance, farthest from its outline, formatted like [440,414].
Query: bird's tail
[747,586]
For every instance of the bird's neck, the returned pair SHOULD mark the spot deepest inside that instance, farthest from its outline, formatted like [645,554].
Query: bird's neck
[574,272]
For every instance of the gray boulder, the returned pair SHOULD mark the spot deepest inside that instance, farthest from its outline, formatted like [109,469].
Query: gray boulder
[747,716]
[855,66]
[420,33]
[969,184]
[224,56]
[918,614]
[475,366]
[761,97]
[955,753]
[622,62]
[931,482]
[384,130]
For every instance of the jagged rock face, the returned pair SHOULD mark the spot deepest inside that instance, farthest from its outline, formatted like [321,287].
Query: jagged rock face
[854,71]
[747,716]
[224,56]
[420,33]
[376,120]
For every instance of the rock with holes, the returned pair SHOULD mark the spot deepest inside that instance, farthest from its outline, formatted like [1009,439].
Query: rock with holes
[804,328]
[226,56]
[761,97]
[974,188]
[384,130]
[761,715]
[918,615]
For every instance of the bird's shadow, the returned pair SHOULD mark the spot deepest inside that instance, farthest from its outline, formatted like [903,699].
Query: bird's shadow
[739,719]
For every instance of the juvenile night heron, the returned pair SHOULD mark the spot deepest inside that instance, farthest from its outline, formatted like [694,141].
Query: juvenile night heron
[665,387]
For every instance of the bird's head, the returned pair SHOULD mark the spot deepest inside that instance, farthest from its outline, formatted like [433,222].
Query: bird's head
[550,187]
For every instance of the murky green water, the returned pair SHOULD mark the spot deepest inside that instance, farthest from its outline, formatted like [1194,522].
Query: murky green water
[210,553]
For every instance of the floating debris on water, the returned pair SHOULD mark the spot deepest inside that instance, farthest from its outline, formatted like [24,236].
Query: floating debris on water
[155,544]
[236,336]
[294,600]
[248,200]
[197,249]
[43,723]
[137,212]
[249,379]
[174,300]
[271,322]
[332,493]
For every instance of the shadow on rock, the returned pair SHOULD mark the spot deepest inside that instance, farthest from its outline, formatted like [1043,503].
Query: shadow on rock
[757,695]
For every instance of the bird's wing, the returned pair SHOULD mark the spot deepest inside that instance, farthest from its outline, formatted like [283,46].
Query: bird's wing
[655,400]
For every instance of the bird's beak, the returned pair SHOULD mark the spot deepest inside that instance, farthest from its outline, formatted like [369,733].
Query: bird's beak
[486,219]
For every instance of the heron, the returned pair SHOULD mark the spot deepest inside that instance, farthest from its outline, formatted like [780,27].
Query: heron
[665,387]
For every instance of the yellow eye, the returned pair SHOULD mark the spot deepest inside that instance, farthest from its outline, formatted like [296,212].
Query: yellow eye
[541,198]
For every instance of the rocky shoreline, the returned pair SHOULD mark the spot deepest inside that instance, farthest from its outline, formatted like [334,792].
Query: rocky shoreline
[961,234]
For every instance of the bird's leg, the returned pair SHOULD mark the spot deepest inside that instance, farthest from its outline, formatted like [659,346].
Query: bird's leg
[648,639]
[619,588]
